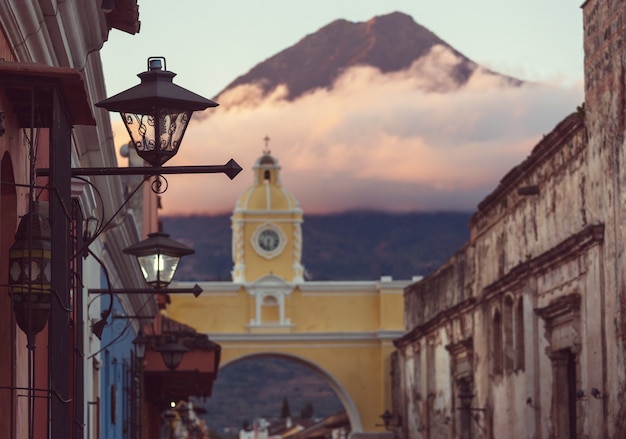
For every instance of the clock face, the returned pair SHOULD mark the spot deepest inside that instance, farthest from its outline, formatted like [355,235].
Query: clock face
[268,240]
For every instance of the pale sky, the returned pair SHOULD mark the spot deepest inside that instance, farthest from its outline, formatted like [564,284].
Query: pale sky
[376,141]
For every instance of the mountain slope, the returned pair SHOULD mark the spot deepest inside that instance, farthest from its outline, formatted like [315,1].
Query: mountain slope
[389,43]
[360,245]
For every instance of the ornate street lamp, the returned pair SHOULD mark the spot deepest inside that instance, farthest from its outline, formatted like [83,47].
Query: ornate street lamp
[172,353]
[158,257]
[140,343]
[156,112]
[30,271]
[390,421]
[466,397]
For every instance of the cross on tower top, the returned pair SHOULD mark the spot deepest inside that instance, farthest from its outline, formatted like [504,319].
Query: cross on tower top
[266,150]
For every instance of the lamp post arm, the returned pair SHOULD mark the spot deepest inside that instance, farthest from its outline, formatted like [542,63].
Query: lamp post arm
[195,290]
[231,169]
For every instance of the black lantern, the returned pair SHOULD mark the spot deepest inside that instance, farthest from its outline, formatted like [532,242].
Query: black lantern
[158,257]
[140,343]
[156,112]
[387,418]
[172,353]
[465,396]
[30,271]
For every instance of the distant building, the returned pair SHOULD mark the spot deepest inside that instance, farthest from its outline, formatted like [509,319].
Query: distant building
[522,332]
[336,426]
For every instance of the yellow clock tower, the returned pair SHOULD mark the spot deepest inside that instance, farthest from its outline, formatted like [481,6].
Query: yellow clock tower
[266,225]
[343,330]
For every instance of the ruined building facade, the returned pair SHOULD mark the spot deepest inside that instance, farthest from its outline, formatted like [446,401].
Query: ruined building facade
[522,332]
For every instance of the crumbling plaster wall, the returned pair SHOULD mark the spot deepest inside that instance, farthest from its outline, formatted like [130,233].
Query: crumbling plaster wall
[605,98]
[551,235]
[534,248]
[530,246]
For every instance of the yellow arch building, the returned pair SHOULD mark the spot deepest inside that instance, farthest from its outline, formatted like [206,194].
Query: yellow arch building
[343,330]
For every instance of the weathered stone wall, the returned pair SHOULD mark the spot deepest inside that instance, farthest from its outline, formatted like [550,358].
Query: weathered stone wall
[546,241]
[426,301]
[533,242]
[604,45]
[530,315]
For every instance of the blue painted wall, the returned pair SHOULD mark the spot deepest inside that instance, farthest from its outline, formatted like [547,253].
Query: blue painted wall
[115,374]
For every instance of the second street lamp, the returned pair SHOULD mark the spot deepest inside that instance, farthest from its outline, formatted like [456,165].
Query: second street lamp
[158,256]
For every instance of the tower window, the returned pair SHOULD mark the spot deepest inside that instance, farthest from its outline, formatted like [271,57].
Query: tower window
[266,175]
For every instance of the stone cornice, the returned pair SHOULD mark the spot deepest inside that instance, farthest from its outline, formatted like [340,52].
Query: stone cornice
[564,305]
[312,287]
[354,336]
[276,215]
[566,250]
[444,316]
[543,151]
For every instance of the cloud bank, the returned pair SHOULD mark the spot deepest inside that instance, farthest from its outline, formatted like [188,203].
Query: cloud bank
[409,140]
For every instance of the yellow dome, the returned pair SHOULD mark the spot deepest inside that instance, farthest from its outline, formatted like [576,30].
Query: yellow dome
[266,192]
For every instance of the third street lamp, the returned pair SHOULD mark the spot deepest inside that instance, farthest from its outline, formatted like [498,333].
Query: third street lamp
[158,257]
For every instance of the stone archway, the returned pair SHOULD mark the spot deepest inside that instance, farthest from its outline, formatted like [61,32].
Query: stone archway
[339,390]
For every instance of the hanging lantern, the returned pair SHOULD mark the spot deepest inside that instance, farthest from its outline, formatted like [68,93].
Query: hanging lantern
[156,112]
[30,271]
[158,257]
[172,353]
[140,343]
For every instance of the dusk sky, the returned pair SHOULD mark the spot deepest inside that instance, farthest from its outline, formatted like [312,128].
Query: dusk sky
[374,141]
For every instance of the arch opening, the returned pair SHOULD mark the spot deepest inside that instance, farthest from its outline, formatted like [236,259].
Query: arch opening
[302,382]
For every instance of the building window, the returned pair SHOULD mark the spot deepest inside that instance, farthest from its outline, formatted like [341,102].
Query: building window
[562,321]
[496,331]
[270,310]
[464,387]
[519,335]
[507,323]
[565,374]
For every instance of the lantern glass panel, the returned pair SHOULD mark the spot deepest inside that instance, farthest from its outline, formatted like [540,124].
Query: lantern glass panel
[140,346]
[172,359]
[157,149]
[35,271]
[30,271]
[158,269]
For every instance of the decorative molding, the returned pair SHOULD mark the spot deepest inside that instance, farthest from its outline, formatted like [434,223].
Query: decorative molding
[456,311]
[311,288]
[564,132]
[365,336]
[462,357]
[275,215]
[568,249]
[562,322]
[559,307]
